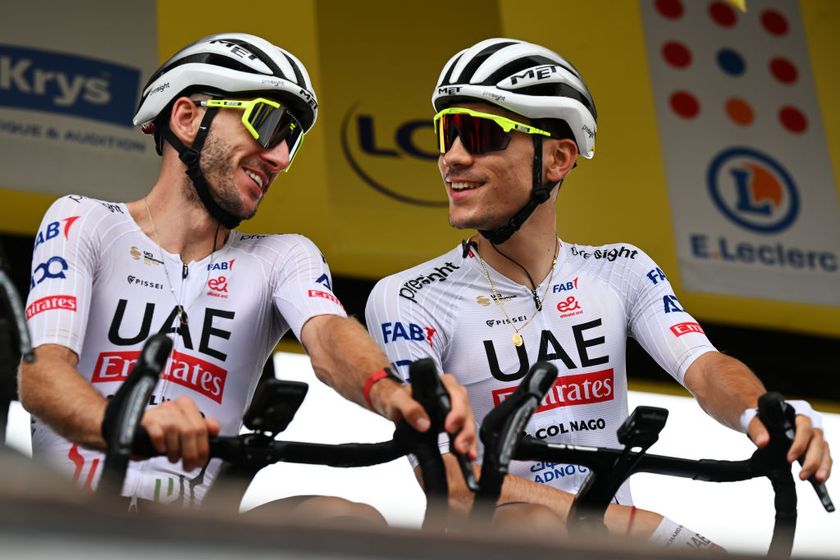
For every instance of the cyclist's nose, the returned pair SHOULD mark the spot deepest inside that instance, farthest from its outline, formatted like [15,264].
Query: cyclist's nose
[277,157]
[457,154]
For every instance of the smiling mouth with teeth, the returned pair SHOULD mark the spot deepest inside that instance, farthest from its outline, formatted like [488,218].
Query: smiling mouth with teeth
[257,179]
[464,186]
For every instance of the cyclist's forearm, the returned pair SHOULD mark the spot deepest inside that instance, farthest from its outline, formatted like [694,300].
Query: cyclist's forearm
[52,390]
[724,387]
[342,354]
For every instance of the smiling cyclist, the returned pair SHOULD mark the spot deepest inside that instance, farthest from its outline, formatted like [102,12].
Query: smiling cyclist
[511,120]
[228,113]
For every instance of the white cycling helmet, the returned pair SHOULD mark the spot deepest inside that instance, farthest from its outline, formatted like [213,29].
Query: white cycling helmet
[222,64]
[524,78]
[229,63]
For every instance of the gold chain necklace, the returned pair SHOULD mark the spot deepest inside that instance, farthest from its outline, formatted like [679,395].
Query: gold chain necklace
[182,312]
[517,336]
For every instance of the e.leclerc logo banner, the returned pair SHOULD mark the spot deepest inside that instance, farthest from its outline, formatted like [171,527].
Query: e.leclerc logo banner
[749,177]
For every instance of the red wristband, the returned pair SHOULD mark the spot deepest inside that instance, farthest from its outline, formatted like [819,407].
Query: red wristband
[630,521]
[373,378]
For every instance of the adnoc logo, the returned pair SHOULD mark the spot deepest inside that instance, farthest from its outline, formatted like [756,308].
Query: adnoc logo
[753,190]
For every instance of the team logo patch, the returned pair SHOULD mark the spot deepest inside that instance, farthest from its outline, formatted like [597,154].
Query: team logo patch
[686,328]
[147,256]
[569,307]
[218,287]
[52,268]
[325,295]
[185,370]
[49,303]
[571,390]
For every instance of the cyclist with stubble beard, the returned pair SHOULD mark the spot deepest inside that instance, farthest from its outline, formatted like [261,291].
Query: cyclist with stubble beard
[512,119]
[229,114]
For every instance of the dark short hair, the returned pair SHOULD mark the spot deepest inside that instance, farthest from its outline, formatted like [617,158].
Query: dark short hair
[558,128]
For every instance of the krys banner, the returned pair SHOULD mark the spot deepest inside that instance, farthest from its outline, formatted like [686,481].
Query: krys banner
[68,90]
[754,202]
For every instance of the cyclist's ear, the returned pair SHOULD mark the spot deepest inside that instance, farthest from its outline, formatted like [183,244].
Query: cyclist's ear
[559,157]
[184,119]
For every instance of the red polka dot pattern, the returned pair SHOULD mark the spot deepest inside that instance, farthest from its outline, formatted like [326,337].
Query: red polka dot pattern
[722,14]
[671,9]
[774,22]
[676,54]
[685,104]
[793,119]
[783,70]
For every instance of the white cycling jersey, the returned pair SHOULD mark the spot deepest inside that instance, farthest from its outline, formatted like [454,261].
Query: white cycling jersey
[99,288]
[596,298]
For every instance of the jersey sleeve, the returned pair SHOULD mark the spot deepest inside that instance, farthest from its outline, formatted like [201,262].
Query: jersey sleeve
[405,329]
[658,321]
[64,264]
[303,285]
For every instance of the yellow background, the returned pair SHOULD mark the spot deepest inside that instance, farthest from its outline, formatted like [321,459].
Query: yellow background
[382,58]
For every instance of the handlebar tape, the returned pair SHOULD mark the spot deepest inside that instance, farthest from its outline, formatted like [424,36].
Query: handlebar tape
[125,409]
[780,420]
[500,431]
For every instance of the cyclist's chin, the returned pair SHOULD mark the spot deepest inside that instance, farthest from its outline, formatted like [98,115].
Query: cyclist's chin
[248,210]
[242,209]
[461,220]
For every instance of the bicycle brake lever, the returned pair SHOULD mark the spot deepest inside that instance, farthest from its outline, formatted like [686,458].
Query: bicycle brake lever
[465,464]
[428,390]
[504,425]
[780,420]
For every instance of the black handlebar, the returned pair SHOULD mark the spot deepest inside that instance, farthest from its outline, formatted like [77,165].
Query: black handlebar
[248,453]
[14,305]
[503,438]
[500,431]
[125,409]
[779,419]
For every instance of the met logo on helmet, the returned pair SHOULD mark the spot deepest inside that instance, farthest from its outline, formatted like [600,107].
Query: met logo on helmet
[449,90]
[531,75]
[63,83]
[235,49]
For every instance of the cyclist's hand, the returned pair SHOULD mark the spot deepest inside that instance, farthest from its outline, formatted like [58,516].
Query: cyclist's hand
[808,441]
[460,419]
[395,402]
[179,431]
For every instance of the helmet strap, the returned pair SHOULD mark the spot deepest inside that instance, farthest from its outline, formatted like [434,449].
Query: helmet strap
[191,156]
[540,192]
